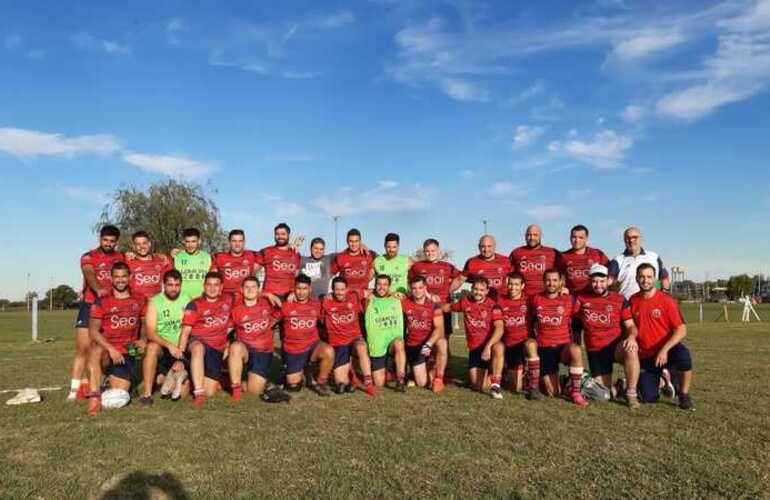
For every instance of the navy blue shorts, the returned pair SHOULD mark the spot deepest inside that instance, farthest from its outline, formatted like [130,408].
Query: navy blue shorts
[600,362]
[414,355]
[678,359]
[212,362]
[380,362]
[550,357]
[166,361]
[259,362]
[475,361]
[124,371]
[447,325]
[84,315]
[296,363]
[514,355]
[343,352]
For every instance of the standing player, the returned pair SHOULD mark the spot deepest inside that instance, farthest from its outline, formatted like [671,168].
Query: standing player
[661,332]
[235,265]
[483,322]
[192,262]
[488,265]
[394,265]
[341,312]
[95,265]
[384,319]
[147,268]
[114,328]
[425,335]
[281,262]
[317,266]
[301,341]
[205,325]
[355,264]
[551,317]
[603,316]
[623,267]
[514,306]
[163,324]
[576,262]
[533,259]
[253,320]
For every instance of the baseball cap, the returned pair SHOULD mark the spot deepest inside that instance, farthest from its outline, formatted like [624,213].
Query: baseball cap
[598,269]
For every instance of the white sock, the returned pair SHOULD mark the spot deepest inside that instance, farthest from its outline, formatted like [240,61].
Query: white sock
[74,384]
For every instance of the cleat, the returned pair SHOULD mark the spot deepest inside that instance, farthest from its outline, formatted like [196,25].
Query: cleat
[145,401]
[400,387]
[534,395]
[578,399]
[339,388]
[83,392]
[294,387]
[181,377]
[322,390]
[372,390]
[411,384]
[168,384]
[350,389]
[198,401]
[437,386]
[354,380]
[633,402]
[668,387]
[72,397]
[495,392]
[94,406]
[685,403]
[237,393]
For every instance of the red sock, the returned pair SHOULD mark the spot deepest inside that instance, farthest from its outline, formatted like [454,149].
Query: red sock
[368,380]
[576,377]
[495,379]
[439,377]
[237,391]
[533,366]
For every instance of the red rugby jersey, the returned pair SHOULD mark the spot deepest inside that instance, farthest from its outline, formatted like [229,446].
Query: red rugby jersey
[102,264]
[515,319]
[419,320]
[210,320]
[341,318]
[300,325]
[254,324]
[234,269]
[551,319]
[494,270]
[478,318]
[438,276]
[602,318]
[121,319]
[354,268]
[147,275]
[282,265]
[532,263]
[656,319]
[575,267]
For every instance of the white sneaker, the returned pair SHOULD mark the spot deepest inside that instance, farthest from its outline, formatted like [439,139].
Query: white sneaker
[181,376]
[668,387]
[496,392]
[24,396]
[168,384]
[72,396]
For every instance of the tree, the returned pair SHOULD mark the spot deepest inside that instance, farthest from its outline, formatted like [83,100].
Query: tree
[63,296]
[164,210]
[4,303]
[738,286]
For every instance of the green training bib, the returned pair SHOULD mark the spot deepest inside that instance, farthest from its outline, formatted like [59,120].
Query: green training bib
[384,320]
[170,314]
[193,268]
[397,268]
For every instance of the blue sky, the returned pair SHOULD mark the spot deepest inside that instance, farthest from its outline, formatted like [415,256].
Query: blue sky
[417,117]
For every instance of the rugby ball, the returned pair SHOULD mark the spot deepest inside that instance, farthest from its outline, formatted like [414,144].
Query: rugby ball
[115,398]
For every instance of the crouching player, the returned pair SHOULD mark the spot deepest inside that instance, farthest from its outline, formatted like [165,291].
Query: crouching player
[163,324]
[483,323]
[205,325]
[603,315]
[341,312]
[253,320]
[661,332]
[384,318]
[301,342]
[425,336]
[514,306]
[551,317]
[114,326]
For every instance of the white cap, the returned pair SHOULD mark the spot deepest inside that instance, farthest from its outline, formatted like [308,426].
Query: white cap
[598,269]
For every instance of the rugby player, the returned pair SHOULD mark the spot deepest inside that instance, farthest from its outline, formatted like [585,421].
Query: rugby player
[623,267]
[147,268]
[163,326]
[394,265]
[576,262]
[281,263]
[235,265]
[533,259]
[483,322]
[661,332]
[301,341]
[253,320]
[488,265]
[355,264]
[205,325]
[384,318]
[551,316]
[192,262]
[114,326]
[425,338]
[95,266]
[514,306]
[603,316]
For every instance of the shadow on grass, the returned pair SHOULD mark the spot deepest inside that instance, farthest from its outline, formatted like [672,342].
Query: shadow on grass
[143,485]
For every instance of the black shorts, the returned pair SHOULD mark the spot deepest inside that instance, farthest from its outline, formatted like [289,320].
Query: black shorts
[679,358]
[342,353]
[380,362]
[475,361]
[447,325]
[259,362]
[296,362]
[84,315]
[124,371]
[515,355]
[550,357]
[600,362]
[212,362]
[414,355]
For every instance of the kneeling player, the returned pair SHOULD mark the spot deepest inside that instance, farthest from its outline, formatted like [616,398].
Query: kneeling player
[552,314]
[425,335]
[603,315]
[114,326]
[301,342]
[253,320]
[384,320]
[483,323]
[341,311]
[514,306]
[205,326]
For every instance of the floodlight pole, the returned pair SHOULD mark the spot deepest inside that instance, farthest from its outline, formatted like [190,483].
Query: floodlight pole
[50,301]
[484,222]
[28,294]
[34,319]
[336,247]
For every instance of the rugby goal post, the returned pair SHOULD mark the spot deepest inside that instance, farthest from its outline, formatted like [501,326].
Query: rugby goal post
[748,310]
[35,322]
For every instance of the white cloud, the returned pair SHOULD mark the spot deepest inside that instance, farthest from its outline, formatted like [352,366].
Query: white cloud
[537,88]
[387,197]
[86,41]
[84,194]
[466,174]
[552,110]
[335,20]
[606,149]
[172,166]
[301,75]
[464,91]
[506,189]
[174,27]
[282,207]
[632,113]
[542,212]
[578,194]
[526,135]
[646,43]
[31,143]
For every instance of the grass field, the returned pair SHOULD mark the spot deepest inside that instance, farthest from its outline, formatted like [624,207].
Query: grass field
[456,444]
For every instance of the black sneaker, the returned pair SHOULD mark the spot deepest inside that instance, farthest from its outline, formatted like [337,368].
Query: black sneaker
[294,387]
[350,389]
[534,395]
[323,390]
[685,403]
[401,387]
[145,401]
[339,388]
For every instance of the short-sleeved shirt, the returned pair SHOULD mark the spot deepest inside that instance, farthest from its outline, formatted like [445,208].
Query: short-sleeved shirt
[532,263]
[656,319]
[576,267]
[147,275]
[281,266]
[494,270]
[102,264]
[438,276]
[121,319]
[193,267]
[300,325]
[551,319]
[210,320]
[341,318]
[419,320]
[602,317]
[320,273]
[515,319]
[254,324]
[623,269]
[397,268]
[355,268]
[478,319]
[234,269]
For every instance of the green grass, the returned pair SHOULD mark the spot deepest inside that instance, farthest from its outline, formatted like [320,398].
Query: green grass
[457,444]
